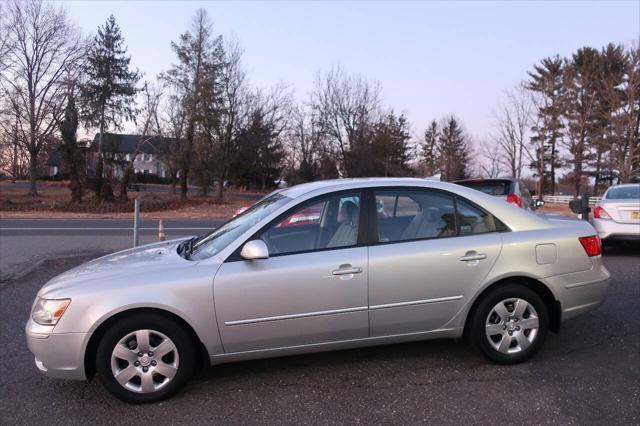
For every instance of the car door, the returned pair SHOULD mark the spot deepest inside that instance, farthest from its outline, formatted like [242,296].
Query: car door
[313,287]
[422,275]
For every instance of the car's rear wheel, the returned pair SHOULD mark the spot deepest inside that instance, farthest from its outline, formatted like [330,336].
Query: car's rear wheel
[145,358]
[509,324]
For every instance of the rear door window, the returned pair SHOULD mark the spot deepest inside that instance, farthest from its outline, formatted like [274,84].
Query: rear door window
[473,220]
[405,215]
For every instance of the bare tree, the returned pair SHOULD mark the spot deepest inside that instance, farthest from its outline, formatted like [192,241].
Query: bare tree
[14,160]
[229,108]
[171,128]
[492,163]
[148,130]
[42,46]
[4,38]
[306,145]
[347,107]
[512,123]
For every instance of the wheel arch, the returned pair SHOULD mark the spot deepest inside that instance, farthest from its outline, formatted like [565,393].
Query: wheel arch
[92,346]
[555,310]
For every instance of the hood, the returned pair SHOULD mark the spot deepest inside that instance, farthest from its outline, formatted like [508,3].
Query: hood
[126,263]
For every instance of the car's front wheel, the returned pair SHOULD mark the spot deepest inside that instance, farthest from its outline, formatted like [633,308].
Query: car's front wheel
[509,324]
[145,358]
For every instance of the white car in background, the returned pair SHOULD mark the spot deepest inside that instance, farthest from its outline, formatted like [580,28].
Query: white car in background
[617,215]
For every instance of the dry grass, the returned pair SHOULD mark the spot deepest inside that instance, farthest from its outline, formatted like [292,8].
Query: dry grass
[54,202]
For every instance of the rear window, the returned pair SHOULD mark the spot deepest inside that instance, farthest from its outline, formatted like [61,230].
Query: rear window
[624,193]
[491,187]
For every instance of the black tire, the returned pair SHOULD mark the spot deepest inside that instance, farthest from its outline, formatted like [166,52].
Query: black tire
[149,321]
[478,319]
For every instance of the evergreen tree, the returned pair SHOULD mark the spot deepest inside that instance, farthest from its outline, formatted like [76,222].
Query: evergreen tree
[390,147]
[454,150]
[195,78]
[609,83]
[582,103]
[430,149]
[108,90]
[69,148]
[546,80]
[260,153]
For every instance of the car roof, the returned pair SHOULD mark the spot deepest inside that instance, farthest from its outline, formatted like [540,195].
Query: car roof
[480,180]
[347,183]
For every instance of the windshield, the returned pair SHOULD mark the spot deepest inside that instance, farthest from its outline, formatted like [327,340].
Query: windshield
[624,193]
[209,244]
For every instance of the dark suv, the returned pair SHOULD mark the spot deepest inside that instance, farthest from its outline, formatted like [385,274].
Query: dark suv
[511,190]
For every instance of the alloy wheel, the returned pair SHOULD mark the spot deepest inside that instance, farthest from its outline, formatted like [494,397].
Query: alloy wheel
[144,361]
[512,326]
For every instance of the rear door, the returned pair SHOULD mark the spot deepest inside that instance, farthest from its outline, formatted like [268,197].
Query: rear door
[422,275]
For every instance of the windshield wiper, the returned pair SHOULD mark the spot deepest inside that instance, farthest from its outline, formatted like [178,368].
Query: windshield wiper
[190,246]
[186,247]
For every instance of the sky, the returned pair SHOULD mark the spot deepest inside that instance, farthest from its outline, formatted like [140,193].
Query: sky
[431,58]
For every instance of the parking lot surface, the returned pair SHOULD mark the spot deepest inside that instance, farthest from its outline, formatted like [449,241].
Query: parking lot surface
[589,373]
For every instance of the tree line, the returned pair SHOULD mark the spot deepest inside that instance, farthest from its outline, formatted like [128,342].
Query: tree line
[579,113]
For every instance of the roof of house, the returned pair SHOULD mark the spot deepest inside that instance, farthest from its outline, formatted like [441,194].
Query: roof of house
[129,144]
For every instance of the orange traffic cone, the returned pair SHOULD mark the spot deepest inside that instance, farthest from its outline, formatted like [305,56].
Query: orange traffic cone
[161,236]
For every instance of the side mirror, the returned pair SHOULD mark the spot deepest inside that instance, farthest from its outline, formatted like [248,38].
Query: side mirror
[255,249]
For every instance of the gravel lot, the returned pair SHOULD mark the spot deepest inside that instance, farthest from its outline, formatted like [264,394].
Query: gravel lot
[589,373]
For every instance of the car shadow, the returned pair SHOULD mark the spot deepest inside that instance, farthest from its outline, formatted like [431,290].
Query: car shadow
[621,249]
[435,354]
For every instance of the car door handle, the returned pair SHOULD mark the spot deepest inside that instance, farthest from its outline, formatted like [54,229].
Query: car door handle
[347,271]
[472,255]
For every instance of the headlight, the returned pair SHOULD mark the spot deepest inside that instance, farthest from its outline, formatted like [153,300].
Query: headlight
[49,311]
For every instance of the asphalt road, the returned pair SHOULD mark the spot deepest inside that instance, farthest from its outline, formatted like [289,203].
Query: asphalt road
[587,374]
[26,243]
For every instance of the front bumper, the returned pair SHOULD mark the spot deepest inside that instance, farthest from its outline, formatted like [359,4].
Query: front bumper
[609,230]
[59,355]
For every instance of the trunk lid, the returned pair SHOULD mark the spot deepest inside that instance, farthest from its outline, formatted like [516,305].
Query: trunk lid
[623,211]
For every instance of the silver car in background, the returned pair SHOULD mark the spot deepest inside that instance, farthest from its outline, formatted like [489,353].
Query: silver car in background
[617,216]
[511,190]
[366,262]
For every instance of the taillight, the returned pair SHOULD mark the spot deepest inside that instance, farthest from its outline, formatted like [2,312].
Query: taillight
[514,199]
[600,213]
[592,245]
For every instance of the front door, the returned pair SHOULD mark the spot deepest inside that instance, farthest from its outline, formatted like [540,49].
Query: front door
[312,288]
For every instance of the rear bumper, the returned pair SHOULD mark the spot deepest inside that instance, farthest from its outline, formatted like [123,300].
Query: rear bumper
[580,292]
[57,355]
[610,230]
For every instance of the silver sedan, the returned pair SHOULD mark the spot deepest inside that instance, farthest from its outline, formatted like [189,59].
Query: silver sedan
[316,267]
